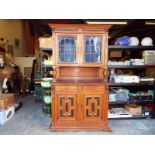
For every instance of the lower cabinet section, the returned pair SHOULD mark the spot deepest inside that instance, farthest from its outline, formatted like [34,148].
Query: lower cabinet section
[80,109]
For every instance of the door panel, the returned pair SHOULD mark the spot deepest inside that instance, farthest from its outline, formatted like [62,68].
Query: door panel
[92,107]
[66,107]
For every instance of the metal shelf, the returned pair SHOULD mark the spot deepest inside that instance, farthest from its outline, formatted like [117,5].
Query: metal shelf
[47,66]
[37,81]
[133,117]
[112,47]
[131,101]
[132,84]
[46,49]
[151,84]
[132,66]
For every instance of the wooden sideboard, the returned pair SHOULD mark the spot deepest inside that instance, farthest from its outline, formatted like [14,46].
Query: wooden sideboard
[80,85]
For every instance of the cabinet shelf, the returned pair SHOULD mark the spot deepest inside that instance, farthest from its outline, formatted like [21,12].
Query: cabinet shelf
[132,84]
[130,66]
[131,101]
[112,47]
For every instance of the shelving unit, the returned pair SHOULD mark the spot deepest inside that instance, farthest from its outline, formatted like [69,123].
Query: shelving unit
[146,85]
[46,68]
[43,66]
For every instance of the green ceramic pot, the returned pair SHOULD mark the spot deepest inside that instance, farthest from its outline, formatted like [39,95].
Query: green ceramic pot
[47,99]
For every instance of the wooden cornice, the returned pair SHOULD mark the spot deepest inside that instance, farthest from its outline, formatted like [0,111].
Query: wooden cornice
[79,26]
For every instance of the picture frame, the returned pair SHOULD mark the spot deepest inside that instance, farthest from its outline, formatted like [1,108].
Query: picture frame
[17,43]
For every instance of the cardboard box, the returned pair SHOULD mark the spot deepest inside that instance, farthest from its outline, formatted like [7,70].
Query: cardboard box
[149,57]
[135,110]
[5,115]
[45,42]
[6,100]
[28,71]
[115,54]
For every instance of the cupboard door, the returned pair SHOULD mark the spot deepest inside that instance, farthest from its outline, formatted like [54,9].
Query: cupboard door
[66,107]
[67,49]
[92,49]
[92,107]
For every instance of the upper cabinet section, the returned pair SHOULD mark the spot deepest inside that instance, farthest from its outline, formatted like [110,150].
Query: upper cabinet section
[80,45]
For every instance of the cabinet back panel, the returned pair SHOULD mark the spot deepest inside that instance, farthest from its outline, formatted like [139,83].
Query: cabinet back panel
[79,72]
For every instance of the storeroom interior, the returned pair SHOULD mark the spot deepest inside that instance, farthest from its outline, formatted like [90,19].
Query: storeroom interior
[77,76]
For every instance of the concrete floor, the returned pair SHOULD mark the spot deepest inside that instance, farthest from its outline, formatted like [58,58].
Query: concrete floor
[29,120]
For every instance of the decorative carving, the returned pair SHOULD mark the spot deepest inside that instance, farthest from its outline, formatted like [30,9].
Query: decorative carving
[66,107]
[55,72]
[105,73]
[92,106]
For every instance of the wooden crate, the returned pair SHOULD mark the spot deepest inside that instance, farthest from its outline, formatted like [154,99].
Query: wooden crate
[6,100]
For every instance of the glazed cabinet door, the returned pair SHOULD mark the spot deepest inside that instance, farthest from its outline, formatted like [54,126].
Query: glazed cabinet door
[93,49]
[66,108]
[67,49]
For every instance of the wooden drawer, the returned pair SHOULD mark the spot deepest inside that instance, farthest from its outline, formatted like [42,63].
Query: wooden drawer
[66,88]
[95,88]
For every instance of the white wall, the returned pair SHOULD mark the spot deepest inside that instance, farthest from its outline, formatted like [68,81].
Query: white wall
[24,62]
[11,29]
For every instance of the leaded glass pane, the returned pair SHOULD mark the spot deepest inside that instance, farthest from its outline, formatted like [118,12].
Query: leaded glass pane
[67,49]
[92,49]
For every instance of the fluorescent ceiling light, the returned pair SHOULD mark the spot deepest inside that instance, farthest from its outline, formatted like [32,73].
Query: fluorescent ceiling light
[106,22]
[150,23]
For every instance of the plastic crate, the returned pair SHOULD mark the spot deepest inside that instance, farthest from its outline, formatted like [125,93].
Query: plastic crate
[37,75]
[121,94]
[38,87]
